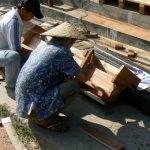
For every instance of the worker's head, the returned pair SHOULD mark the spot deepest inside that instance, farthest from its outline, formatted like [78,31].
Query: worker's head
[66,34]
[29,9]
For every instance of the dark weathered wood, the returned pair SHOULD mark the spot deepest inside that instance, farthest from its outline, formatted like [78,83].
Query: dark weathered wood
[50,3]
[102,1]
[122,3]
[103,138]
[142,9]
[126,78]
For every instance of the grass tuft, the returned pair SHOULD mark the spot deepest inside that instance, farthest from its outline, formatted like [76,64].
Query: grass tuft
[4,112]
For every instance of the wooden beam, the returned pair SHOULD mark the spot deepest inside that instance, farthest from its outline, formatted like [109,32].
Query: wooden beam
[103,138]
[142,9]
[122,3]
[50,3]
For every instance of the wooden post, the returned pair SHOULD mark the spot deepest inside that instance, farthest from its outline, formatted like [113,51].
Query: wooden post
[50,3]
[102,1]
[122,3]
[142,9]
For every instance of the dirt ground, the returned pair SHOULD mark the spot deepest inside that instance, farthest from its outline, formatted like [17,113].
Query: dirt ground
[5,143]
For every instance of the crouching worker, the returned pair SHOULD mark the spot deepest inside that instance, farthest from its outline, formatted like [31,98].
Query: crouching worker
[11,27]
[44,86]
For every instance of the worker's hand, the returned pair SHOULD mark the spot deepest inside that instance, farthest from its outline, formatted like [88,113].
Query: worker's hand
[88,70]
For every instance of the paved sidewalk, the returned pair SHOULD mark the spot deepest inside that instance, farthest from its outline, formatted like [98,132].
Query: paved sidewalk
[123,122]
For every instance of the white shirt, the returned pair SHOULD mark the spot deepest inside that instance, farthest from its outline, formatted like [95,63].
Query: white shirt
[11,27]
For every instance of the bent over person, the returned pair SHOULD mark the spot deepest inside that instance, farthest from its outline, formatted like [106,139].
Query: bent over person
[11,27]
[46,82]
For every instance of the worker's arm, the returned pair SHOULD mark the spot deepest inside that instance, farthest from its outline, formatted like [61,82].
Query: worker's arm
[37,29]
[86,73]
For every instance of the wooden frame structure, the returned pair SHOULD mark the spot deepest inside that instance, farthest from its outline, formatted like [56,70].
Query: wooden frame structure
[142,4]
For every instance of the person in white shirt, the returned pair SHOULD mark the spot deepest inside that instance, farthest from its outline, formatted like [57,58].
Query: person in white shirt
[11,27]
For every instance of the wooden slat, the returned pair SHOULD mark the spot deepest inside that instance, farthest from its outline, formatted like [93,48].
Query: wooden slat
[103,138]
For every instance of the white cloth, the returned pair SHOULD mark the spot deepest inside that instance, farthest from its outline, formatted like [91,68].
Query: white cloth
[11,27]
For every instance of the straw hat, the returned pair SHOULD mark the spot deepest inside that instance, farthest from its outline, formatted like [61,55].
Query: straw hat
[65,30]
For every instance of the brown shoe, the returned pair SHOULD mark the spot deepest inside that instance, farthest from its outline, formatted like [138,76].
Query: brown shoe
[2,73]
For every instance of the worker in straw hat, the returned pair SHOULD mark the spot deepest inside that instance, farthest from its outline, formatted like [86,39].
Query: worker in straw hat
[46,82]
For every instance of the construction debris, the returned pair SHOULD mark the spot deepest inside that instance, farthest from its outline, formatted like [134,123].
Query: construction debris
[103,138]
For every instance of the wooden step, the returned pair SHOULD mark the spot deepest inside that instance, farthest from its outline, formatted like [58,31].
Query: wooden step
[119,26]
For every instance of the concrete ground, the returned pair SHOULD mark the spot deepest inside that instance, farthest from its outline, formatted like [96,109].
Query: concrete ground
[122,122]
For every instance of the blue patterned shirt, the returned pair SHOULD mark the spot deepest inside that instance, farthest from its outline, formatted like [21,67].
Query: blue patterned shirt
[40,77]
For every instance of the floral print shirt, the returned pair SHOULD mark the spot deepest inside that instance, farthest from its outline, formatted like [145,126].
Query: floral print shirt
[39,79]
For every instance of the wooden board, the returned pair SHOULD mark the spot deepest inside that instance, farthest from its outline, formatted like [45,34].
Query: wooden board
[103,138]
[126,78]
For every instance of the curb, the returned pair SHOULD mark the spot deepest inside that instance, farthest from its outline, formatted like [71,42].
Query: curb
[18,145]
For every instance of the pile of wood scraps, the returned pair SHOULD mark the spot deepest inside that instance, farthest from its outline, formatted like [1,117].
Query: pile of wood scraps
[136,55]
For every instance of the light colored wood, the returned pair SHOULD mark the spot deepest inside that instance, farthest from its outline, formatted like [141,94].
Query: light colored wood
[103,138]
[86,59]
[119,26]
[144,2]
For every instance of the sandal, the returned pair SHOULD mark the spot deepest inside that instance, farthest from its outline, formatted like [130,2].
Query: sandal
[57,127]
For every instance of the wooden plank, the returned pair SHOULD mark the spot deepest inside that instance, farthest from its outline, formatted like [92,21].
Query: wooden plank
[103,138]
[86,59]
[126,78]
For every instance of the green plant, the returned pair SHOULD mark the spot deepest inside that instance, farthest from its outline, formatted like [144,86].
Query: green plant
[4,112]
[24,133]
